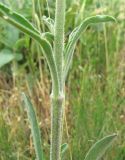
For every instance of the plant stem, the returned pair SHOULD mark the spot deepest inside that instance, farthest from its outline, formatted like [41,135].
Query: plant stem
[57,111]
[59,38]
[57,97]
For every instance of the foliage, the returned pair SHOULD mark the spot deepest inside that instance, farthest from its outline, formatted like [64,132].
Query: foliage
[90,64]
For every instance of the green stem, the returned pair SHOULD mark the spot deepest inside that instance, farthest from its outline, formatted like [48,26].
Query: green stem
[57,112]
[57,97]
[59,38]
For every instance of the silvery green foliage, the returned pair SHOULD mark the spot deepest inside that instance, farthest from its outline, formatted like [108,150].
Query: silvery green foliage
[59,60]
[97,151]
[75,35]
[34,127]
[25,26]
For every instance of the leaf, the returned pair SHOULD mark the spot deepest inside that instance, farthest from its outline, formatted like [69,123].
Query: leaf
[18,56]
[25,26]
[6,56]
[9,35]
[49,36]
[16,19]
[64,147]
[49,23]
[34,127]
[99,148]
[21,23]
[75,35]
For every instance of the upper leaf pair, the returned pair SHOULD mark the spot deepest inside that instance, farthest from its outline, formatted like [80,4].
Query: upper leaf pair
[46,38]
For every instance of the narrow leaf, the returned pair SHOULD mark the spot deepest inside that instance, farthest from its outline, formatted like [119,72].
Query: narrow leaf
[99,148]
[20,22]
[64,147]
[15,18]
[34,127]
[75,35]
[25,26]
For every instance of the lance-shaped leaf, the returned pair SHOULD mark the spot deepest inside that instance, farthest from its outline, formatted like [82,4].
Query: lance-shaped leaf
[99,148]
[34,127]
[16,19]
[25,26]
[64,147]
[75,35]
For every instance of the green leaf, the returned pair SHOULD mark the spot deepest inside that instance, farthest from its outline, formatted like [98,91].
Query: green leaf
[25,26]
[75,35]
[9,35]
[34,127]
[16,19]
[49,36]
[99,148]
[64,147]
[49,23]
[6,56]
[21,23]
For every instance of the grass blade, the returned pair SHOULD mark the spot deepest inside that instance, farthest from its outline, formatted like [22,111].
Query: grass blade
[100,147]
[34,127]
[75,35]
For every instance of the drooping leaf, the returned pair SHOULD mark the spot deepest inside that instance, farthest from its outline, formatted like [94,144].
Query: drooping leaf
[25,26]
[99,148]
[75,35]
[34,127]
[16,19]
[21,23]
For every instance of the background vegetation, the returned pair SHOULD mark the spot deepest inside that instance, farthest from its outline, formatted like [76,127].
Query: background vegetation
[95,104]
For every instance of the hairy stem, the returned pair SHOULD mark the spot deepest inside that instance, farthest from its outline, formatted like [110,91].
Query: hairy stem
[57,98]
[57,111]
[59,38]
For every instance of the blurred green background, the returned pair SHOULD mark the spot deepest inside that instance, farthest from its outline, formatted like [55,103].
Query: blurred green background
[95,88]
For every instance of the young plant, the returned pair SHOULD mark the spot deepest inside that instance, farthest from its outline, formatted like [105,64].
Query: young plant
[59,60]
